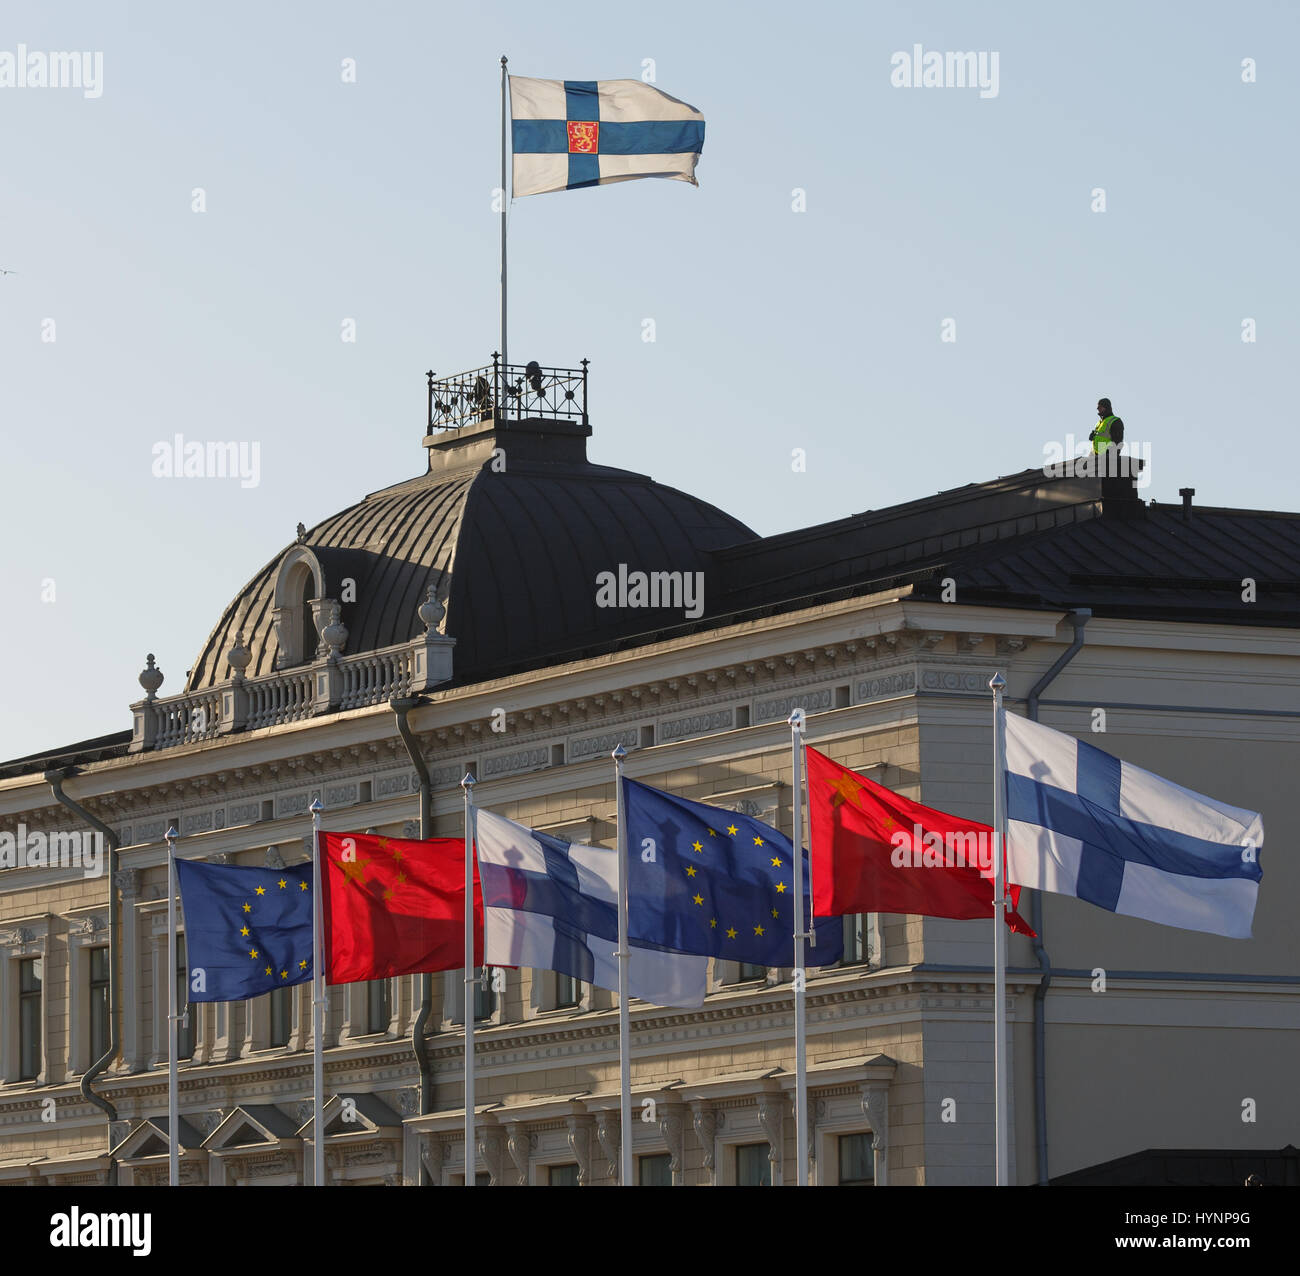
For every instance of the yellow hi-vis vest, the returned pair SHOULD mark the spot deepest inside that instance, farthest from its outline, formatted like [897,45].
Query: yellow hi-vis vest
[1101,439]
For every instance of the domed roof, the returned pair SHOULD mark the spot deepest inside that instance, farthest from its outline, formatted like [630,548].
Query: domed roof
[512,525]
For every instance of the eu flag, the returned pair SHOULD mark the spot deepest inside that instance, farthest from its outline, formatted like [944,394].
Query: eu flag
[247,930]
[704,880]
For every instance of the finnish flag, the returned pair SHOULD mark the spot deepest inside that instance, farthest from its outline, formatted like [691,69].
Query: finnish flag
[553,905]
[571,133]
[1083,823]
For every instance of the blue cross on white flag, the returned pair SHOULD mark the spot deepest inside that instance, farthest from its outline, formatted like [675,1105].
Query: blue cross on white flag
[571,133]
[553,905]
[1081,822]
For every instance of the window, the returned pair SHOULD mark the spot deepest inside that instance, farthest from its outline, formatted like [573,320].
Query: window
[30,973]
[281,1015]
[857,940]
[563,1176]
[753,1169]
[655,1171]
[481,1179]
[184,1025]
[857,1162]
[749,971]
[379,1005]
[485,1000]
[568,991]
[98,1003]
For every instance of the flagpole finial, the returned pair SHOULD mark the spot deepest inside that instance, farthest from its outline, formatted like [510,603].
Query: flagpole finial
[504,59]
[997,682]
[797,719]
[468,782]
[619,754]
[315,808]
[171,834]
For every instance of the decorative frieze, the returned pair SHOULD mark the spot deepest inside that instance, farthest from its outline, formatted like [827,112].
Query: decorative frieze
[885,685]
[696,724]
[961,681]
[513,762]
[288,805]
[779,708]
[582,747]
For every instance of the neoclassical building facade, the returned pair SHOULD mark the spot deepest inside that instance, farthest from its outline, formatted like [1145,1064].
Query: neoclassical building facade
[452,623]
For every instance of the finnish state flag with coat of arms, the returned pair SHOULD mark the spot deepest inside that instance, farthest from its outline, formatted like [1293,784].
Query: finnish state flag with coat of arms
[571,133]
[1081,822]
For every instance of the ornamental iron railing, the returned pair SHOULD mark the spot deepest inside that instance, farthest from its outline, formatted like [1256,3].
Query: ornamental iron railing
[507,392]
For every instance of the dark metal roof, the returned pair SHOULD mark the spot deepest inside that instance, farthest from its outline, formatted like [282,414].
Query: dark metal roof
[514,552]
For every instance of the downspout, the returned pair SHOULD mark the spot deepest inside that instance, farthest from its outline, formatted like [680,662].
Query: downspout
[1079,617]
[55,780]
[401,708]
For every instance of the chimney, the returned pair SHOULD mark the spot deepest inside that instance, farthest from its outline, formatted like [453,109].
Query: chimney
[1187,493]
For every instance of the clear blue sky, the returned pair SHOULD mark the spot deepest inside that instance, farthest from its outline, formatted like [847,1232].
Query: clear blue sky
[775,330]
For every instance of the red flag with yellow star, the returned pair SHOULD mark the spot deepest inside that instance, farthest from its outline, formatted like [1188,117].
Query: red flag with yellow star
[392,906]
[875,852]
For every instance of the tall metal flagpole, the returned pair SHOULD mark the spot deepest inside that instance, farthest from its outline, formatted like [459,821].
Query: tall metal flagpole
[998,683]
[624,957]
[173,1078]
[505,209]
[471,983]
[317,1006]
[796,721]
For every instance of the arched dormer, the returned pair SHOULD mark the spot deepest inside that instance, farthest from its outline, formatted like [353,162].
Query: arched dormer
[300,604]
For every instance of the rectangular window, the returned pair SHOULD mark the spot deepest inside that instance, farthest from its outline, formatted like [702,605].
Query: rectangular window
[749,971]
[485,1000]
[655,1171]
[379,1005]
[562,1176]
[281,1015]
[753,1169]
[857,1162]
[98,1004]
[857,940]
[30,974]
[568,991]
[185,1025]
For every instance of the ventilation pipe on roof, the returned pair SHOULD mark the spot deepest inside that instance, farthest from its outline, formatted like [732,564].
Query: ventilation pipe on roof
[401,708]
[1079,618]
[55,780]
[1187,493]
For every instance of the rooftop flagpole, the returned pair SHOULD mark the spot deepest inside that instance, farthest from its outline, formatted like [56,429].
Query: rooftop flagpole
[800,973]
[624,957]
[505,209]
[471,984]
[317,1006]
[997,684]
[173,1078]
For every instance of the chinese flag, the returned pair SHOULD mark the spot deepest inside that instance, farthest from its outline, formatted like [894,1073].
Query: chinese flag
[876,852]
[394,907]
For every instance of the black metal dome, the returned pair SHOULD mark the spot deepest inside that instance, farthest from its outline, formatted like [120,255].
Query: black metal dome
[512,525]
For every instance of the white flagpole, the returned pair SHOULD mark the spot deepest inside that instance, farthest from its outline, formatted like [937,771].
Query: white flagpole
[505,210]
[796,721]
[624,957]
[998,683]
[173,1078]
[471,982]
[317,1006]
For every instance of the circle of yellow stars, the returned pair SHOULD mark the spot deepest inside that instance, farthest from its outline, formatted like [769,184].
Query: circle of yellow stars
[780,887]
[245,931]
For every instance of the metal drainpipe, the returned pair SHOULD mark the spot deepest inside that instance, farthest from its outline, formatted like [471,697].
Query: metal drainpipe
[55,780]
[401,707]
[1079,617]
